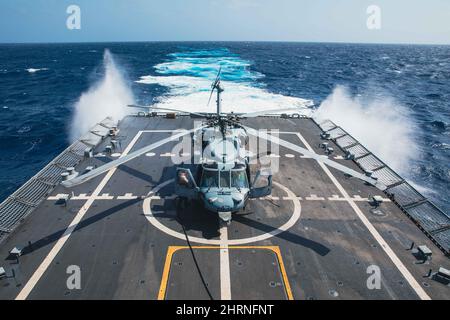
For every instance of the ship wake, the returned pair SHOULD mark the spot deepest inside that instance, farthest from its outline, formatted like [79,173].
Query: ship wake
[188,77]
[383,125]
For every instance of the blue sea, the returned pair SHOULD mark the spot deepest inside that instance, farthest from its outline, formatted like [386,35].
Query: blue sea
[394,98]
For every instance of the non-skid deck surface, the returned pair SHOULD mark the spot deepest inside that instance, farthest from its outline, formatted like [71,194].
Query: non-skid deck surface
[316,237]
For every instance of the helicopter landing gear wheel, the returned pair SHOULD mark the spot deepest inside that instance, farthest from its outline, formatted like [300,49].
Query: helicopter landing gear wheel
[224,223]
[225,217]
[159,222]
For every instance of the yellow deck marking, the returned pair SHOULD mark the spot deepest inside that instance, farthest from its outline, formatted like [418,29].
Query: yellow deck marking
[165,277]
[173,249]
[42,268]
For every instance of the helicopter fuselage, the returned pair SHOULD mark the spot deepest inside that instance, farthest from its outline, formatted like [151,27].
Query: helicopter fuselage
[222,182]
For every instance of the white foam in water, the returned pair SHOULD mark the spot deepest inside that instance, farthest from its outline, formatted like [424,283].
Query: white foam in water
[384,127]
[189,75]
[192,94]
[107,98]
[422,189]
[32,70]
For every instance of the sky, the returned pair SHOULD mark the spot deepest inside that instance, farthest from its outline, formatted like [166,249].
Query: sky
[401,21]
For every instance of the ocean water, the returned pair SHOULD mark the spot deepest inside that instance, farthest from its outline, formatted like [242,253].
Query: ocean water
[394,98]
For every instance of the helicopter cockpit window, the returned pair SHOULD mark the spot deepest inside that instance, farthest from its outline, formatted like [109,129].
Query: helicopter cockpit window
[224,179]
[210,179]
[239,179]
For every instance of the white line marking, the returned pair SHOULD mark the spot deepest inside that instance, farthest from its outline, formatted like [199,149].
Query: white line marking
[147,208]
[82,196]
[335,197]
[99,155]
[130,196]
[127,196]
[314,197]
[225,279]
[105,196]
[24,293]
[359,199]
[167,155]
[391,254]
[58,196]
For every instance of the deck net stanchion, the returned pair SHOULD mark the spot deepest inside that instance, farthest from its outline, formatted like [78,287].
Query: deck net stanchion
[21,203]
[429,218]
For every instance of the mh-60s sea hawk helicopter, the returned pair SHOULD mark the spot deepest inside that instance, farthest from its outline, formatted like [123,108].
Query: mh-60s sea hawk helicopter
[223,182]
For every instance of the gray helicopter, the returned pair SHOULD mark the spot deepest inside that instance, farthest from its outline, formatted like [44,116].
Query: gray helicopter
[223,181]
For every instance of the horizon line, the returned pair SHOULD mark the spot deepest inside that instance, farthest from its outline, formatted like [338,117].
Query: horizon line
[223,41]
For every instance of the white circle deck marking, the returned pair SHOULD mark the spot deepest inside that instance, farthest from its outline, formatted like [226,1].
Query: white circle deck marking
[151,218]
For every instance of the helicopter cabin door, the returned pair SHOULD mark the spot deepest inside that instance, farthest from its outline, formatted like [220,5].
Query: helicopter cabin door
[258,191]
[185,185]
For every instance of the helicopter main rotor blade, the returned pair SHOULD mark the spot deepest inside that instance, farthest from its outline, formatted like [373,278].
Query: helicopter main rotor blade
[113,164]
[214,85]
[210,96]
[315,156]
[165,109]
[218,76]
[266,112]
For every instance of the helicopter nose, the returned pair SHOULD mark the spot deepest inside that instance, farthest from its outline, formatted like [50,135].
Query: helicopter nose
[219,204]
[212,200]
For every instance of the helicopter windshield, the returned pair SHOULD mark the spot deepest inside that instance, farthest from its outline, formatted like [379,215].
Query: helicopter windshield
[224,179]
[239,179]
[210,179]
